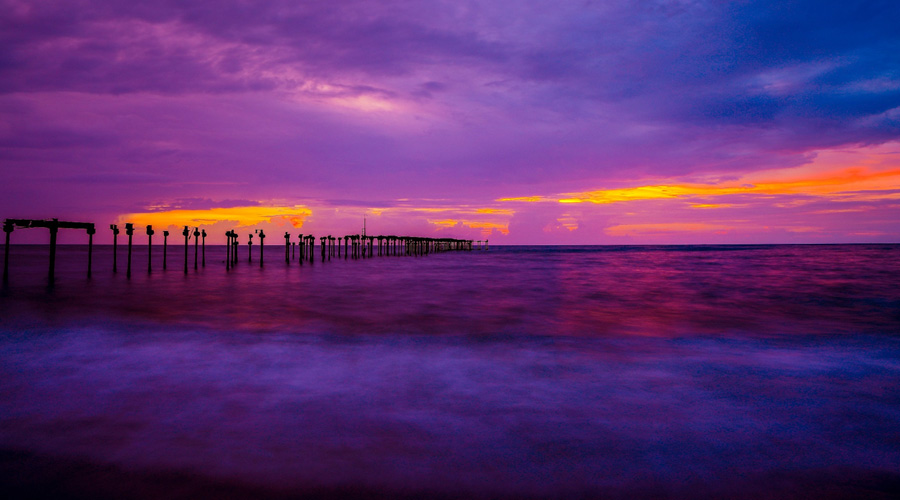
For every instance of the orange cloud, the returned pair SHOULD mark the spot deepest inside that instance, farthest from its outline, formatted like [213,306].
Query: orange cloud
[859,175]
[239,216]
[485,227]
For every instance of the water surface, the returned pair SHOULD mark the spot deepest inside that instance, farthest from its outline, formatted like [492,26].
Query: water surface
[722,372]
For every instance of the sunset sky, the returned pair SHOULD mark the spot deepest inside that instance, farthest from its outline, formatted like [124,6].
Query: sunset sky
[525,122]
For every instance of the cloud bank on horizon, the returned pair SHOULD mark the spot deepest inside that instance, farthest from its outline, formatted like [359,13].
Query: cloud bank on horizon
[526,122]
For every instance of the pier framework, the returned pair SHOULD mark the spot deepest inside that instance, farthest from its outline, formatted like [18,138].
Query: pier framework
[356,246]
[54,225]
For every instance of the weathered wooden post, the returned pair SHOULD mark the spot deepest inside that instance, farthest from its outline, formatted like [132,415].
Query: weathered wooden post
[262,240]
[250,248]
[165,249]
[90,231]
[287,248]
[187,234]
[115,231]
[129,230]
[203,244]
[54,229]
[149,248]
[301,248]
[322,242]
[227,250]
[311,247]
[234,248]
[196,246]
[7,228]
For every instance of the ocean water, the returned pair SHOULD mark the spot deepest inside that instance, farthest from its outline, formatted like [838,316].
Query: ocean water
[519,372]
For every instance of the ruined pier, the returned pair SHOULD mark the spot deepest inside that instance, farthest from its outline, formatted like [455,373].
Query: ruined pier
[355,246]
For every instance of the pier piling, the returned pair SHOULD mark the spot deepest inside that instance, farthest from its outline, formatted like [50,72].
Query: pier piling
[165,248]
[203,245]
[149,249]
[262,237]
[54,229]
[90,233]
[186,234]
[196,246]
[234,248]
[7,228]
[115,231]
[129,230]
[227,250]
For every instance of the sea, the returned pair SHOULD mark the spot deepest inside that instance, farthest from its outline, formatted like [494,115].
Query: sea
[747,372]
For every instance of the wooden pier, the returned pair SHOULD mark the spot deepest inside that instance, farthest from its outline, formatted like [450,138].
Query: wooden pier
[54,225]
[356,246]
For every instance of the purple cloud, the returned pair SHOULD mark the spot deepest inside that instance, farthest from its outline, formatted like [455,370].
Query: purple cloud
[470,102]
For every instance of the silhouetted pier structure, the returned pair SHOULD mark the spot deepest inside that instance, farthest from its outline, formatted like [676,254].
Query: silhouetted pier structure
[356,246]
[165,248]
[129,230]
[149,249]
[54,225]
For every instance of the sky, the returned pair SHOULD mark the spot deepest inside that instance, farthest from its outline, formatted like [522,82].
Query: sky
[521,122]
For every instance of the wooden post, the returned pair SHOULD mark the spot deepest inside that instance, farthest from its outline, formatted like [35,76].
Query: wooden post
[287,248]
[203,234]
[235,244]
[250,248]
[165,248]
[90,233]
[7,228]
[54,229]
[115,231]
[186,234]
[149,248]
[301,248]
[227,250]
[129,230]
[196,246]
[262,240]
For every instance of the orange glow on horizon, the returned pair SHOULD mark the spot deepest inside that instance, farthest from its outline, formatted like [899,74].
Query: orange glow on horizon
[839,175]
[671,227]
[239,216]
[485,227]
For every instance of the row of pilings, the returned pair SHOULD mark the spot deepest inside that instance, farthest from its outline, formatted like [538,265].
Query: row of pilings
[354,246]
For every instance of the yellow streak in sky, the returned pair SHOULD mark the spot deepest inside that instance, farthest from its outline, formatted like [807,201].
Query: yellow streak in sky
[857,174]
[486,227]
[239,216]
[672,227]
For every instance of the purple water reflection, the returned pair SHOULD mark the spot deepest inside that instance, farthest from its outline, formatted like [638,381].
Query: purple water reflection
[664,372]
